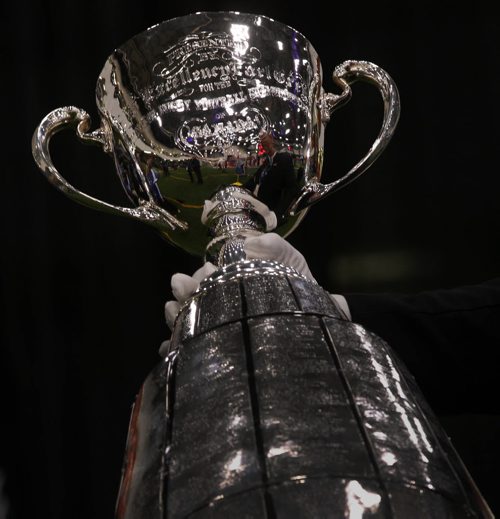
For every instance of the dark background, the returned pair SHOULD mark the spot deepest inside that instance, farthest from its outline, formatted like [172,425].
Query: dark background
[83,292]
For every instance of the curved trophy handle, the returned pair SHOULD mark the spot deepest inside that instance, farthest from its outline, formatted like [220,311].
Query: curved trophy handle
[71,117]
[345,75]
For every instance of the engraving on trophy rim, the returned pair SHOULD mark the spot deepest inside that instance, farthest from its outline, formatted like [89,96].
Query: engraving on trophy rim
[210,91]
[290,85]
[196,68]
[188,63]
[207,46]
[227,101]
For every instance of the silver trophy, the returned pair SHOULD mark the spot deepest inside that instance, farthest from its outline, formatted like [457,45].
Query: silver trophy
[269,403]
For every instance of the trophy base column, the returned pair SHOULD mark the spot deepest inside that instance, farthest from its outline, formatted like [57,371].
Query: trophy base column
[278,407]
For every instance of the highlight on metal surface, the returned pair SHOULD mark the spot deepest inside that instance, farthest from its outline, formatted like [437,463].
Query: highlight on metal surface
[282,408]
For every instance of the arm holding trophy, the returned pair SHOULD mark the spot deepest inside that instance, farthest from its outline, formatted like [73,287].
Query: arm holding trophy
[269,401]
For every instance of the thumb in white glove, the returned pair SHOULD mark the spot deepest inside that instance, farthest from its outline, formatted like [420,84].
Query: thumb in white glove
[183,287]
[271,246]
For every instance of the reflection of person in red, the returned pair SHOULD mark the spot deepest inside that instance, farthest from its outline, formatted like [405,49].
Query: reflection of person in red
[275,182]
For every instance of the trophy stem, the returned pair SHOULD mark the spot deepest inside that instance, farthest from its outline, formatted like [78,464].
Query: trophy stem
[232,215]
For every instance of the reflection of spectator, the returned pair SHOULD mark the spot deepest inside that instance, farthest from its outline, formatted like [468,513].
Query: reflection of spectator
[164,168]
[301,178]
[189,169]
[194,166]
[240,167]
[275,182]
[152,177]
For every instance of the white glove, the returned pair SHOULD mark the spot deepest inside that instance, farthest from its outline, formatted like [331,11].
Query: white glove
[183,287]
[269,246]
[272,246]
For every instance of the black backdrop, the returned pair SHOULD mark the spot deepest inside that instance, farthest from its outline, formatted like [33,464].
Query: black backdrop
[83,292]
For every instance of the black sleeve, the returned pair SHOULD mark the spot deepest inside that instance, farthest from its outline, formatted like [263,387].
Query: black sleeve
[449,339]
[251,183]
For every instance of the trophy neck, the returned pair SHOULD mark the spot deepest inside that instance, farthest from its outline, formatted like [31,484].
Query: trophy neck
[232,215]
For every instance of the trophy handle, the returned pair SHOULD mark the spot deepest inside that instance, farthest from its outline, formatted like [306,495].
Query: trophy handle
[345,75]
[71,117]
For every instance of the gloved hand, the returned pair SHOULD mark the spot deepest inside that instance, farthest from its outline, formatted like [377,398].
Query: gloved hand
[269,246]
[258,206]
[183,287]
[272,246]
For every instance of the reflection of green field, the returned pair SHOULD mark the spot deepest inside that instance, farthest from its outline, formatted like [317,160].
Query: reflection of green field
[178,185]
[188,197]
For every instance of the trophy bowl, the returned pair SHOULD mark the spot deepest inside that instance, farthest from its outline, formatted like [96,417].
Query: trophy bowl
[210,100]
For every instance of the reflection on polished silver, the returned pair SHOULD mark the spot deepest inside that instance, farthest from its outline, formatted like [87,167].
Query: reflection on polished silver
[248,269]
[282,408]
[344,75]
[146,211]
[193,95]
[148,444]
[243,269]
[234,216]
